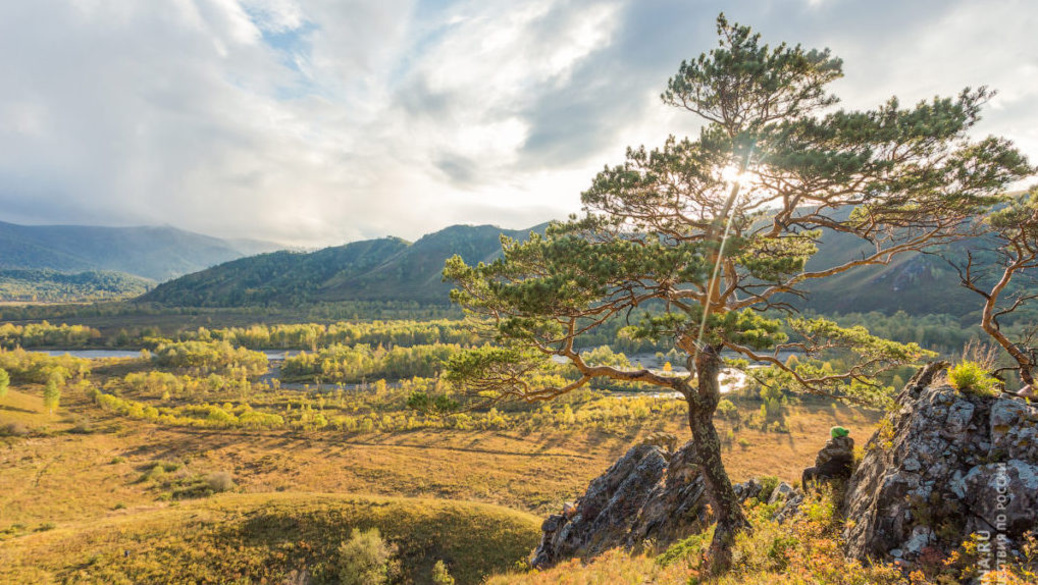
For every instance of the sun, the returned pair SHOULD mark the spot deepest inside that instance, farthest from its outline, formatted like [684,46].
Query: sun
[730,174]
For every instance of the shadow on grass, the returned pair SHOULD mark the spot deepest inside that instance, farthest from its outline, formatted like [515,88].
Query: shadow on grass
[16,409]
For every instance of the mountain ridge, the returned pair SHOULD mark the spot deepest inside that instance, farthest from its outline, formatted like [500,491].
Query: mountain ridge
[155,253]
[384,269]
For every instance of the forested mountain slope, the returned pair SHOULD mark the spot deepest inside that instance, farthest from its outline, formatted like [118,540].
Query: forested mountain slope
[383,269]
[390,269]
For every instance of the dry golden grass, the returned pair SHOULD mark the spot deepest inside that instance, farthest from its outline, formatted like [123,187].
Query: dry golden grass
[262,538]
[533,472]
[83,467]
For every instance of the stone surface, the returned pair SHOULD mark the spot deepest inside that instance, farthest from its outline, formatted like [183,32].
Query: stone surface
[943,465]
[640,497]
[643,496]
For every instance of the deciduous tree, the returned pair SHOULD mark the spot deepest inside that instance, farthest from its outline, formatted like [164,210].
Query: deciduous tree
[52,392]
[705,241]
[5,382]
[1013,227]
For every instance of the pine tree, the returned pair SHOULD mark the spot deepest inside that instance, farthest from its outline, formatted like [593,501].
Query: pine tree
[709,240]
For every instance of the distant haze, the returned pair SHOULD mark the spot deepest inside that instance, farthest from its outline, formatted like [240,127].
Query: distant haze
[317,122]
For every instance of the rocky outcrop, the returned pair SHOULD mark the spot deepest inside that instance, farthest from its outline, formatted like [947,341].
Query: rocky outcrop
[945,464]
[640,497]
[648,494]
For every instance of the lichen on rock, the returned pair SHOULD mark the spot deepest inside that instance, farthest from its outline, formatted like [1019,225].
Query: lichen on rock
[950,464]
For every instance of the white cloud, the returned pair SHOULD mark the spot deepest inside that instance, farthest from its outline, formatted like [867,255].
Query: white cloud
[320,121]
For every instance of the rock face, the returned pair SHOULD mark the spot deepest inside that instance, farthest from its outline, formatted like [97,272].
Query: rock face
[945,464]
[644,495]
[641,496]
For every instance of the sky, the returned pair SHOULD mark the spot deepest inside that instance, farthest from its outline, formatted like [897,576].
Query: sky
[319,122]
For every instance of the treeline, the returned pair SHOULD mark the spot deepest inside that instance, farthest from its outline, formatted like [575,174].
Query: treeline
[203,358]
[33,367]
[47,335]
[165,386]
[313,336]
[321,312]
[350,364]
[944,334]
[49,286]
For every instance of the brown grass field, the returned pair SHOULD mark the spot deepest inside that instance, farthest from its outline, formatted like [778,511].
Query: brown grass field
[82,469]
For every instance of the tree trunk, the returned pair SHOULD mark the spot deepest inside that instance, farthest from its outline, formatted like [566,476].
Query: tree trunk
[726,506]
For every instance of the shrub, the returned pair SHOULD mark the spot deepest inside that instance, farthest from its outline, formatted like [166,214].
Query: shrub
[440,574]
[768,483]
[970,377]
[221,481]
[689,550]
[366,559]
[14,429]
[727,410]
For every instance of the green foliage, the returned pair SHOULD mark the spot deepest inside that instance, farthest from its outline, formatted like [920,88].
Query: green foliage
[691,549]
[5,382]
[52,391]
[311,336]
[971,377]
[341,363]
[669,237]
[440,574]
[25,366]
[210,357]
[768,485]
[46,335]
[49,286]
[727,410]
[422,402]
[365,558]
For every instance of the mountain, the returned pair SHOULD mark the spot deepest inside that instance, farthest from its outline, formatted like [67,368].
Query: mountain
[388,269]
[913,282]
[154,253]
[391,269]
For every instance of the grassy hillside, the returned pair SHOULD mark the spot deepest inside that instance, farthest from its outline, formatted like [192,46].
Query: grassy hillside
[253,538]
[156,253]
[49,286]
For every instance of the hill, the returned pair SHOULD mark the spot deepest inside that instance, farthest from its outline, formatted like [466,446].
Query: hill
[918,284]
[257,538]
[154,253]
[49,286]
[388,269]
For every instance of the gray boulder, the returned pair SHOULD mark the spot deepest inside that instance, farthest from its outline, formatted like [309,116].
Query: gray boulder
[943,465]
[642,496]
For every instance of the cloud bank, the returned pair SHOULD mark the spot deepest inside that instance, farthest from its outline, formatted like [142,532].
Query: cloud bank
[316,122]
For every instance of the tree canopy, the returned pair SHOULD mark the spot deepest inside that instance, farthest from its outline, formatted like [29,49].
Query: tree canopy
[704,241]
